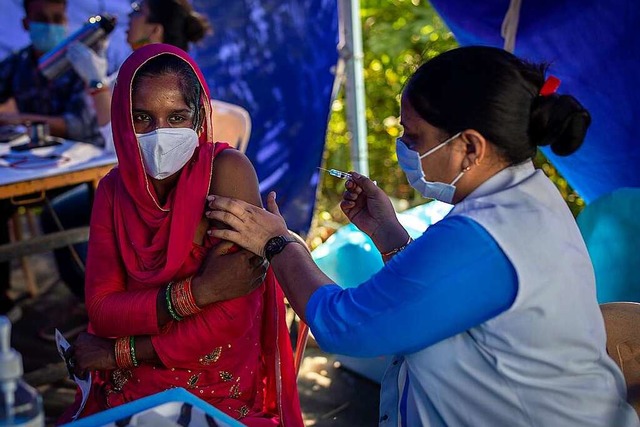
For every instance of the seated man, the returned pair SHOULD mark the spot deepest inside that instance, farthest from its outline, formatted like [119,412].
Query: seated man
[61,102]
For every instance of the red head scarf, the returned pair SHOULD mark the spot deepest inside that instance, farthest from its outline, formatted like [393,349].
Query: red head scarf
[155,240]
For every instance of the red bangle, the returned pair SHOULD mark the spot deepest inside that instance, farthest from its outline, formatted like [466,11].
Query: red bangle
[123,353]
[182,298]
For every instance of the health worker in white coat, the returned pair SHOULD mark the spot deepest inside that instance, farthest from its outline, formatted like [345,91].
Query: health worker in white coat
[492,312]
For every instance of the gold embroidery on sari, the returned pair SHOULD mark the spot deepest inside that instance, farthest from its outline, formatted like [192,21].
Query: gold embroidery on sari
[119,377]
[226,376]
[212,357]
[193,380]
[234,391]
[243,411]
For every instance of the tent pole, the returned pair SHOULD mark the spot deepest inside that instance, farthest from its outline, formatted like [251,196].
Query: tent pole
[350,50]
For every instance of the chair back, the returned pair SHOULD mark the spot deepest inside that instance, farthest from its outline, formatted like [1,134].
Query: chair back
[231,124]
[622,323]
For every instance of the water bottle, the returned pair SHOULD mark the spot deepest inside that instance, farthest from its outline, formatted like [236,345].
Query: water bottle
[20,404]
[54,63]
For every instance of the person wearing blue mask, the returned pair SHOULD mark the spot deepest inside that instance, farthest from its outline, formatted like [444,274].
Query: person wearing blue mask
[61,102]
[491,314]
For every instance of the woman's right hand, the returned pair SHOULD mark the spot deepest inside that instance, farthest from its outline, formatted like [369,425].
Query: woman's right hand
[224,276]
[370,209]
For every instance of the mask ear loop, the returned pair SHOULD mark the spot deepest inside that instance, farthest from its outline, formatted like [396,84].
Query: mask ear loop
[457,178]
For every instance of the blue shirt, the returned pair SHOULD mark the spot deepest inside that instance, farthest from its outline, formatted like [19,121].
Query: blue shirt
[434,289]
[34,94]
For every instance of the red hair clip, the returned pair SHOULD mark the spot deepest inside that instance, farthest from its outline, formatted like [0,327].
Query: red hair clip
[550,86]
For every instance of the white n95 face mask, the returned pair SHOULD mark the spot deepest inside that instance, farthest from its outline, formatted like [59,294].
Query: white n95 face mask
[410,162]
[166,150]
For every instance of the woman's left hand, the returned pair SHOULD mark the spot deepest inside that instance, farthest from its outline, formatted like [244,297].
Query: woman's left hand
[251,226]
[90,352]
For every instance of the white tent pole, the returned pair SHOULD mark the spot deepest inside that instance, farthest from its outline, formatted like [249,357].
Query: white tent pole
[350,50]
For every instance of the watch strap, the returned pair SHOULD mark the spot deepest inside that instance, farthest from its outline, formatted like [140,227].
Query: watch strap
[276,244]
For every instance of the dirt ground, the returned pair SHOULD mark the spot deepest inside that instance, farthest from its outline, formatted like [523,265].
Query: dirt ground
[330,395]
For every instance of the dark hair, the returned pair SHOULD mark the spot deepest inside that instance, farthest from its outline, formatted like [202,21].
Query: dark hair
[497,94]
[168,64]
[180,22]
[27,3]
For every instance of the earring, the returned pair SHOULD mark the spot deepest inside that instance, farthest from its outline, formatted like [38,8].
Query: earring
[466,169]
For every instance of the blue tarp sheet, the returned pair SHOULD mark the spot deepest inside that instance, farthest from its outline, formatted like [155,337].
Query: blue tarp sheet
[275,58]
[594,48]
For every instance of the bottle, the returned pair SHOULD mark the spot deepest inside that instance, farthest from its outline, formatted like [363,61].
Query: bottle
[20,404]
[54,63]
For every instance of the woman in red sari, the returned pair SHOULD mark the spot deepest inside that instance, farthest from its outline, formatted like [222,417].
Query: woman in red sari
[162,314]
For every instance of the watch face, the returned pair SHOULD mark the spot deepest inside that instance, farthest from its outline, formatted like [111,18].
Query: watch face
[274,245]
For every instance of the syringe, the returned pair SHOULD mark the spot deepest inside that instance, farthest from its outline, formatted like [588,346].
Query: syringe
[337,173]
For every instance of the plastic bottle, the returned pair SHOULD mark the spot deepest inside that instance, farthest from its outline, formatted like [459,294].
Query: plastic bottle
[54,63]
[20,404]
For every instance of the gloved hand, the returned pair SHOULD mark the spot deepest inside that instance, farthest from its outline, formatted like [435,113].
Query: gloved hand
[88,64]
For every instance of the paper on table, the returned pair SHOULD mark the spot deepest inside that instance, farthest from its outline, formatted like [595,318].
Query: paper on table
[85,384]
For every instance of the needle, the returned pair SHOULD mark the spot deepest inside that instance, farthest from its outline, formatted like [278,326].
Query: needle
[337,173]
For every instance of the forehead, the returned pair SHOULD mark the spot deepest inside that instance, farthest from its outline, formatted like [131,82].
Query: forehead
[163,89]
[408,115]
[45,7]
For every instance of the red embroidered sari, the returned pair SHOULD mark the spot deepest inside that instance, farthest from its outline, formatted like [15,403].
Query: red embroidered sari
[235,354]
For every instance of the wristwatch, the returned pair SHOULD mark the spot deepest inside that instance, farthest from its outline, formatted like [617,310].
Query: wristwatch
[275,245]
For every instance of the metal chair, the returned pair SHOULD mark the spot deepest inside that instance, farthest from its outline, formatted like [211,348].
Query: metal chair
[622,323]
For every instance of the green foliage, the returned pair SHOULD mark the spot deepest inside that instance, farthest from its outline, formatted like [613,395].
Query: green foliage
[398,36]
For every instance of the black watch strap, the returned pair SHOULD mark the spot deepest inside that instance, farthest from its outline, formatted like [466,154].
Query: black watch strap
[276,244]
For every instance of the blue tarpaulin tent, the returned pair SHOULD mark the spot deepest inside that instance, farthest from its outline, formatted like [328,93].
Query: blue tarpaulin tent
[275,58]
[594,48]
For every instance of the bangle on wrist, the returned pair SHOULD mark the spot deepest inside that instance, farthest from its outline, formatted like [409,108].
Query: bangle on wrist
[132,351]
[184,304]
[396,250]
[170,308]
[124,359]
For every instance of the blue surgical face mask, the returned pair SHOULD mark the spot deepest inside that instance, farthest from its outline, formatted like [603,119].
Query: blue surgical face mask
[411,163]
[45,37]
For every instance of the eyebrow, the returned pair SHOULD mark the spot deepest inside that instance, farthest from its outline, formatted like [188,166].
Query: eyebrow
[180,111]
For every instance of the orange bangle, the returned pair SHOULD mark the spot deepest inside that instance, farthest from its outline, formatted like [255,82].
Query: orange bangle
[123,353]
[182,298]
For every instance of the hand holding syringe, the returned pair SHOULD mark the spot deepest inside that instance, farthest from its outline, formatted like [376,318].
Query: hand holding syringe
[339,174]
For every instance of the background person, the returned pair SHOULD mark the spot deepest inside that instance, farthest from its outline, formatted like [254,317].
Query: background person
[491,313]
[61,102]
[172,22]
[162,315]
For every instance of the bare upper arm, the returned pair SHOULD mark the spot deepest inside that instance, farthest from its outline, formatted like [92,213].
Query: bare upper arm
[234,176]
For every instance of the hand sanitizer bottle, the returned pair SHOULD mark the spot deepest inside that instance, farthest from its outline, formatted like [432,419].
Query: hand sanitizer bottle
[20,404]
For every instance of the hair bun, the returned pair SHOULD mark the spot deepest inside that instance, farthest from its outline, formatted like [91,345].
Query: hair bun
[559,121]
[196,26]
